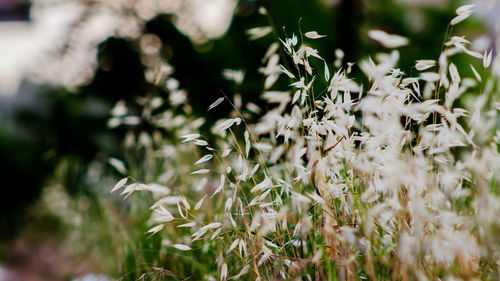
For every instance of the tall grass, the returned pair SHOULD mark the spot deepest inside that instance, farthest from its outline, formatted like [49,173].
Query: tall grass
[390,180]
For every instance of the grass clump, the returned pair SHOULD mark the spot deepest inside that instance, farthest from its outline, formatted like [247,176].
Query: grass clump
[391,180]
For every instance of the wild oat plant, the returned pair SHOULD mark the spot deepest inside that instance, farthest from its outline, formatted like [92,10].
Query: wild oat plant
[385,181]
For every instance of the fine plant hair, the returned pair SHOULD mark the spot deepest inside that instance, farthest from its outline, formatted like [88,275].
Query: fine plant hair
[385,181]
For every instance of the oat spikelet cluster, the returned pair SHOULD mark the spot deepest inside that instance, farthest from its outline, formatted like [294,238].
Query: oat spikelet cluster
[387,180]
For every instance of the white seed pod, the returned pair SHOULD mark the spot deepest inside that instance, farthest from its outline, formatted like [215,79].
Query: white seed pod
[119,184]
[424,64]
[387,40]
[204,159]
[216,103]
[182,247]
[313,35]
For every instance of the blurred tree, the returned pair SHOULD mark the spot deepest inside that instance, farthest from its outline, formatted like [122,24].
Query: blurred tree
[23,171]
